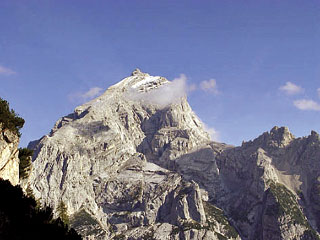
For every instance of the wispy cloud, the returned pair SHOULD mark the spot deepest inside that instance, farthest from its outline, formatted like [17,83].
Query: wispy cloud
[291,89]
[192,87]
[214,134]
[85,96]
[307,104]
[172,92]
[165,95]
[209,86]
[6,71]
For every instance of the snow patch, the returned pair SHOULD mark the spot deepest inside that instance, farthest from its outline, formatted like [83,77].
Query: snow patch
[146,80]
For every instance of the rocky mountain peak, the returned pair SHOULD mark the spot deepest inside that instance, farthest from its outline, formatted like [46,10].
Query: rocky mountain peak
[135,72]
[112,155]
[141,170]
[277,137]
[314,136]
[282,135]
[139,82]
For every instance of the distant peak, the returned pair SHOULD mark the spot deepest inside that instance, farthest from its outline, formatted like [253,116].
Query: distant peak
[314,136]
[277,137]
[314,133]
[281,135]
[135,72]
[279,130]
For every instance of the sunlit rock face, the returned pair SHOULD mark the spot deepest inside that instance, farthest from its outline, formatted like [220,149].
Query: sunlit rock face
[9,161]
[271,185]
[136,163]
[113,162]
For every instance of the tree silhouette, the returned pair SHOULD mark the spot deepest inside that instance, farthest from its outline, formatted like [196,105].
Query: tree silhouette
[20,218]
[62,212]
[9,118]
[25,156]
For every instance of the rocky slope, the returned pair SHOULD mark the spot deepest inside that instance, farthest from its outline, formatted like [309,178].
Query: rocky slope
[110,162]
[271,186]
[129,166]
[9,161]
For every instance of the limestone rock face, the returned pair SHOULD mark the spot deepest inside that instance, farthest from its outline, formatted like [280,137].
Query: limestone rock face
[133,164]
[112,163]
[9,161]
[270,186]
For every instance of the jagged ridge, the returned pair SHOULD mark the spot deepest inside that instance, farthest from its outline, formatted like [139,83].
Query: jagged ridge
[132,168]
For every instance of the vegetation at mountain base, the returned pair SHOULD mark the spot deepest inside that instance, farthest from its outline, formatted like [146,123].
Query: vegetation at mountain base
[9,118]
[62,212]
[215,215]
[83,219]
[287,205]
[30,194]
[20,218]
[25,156]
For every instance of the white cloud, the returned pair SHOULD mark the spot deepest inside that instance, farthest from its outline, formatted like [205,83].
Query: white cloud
[6,71]
[209,86]
[307,104]
[214,134]
[172,92]
[93,92]
[291,89]
[318,91]
[85,96]
[192,87]
[165,95]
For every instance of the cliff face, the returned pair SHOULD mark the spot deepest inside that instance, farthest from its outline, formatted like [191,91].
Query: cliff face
[128,166]
[110,162]
[270,186]
[9,161]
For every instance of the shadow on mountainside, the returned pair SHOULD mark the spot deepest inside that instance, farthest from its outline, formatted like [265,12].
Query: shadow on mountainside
[235,175]
[20,218]
[91,128]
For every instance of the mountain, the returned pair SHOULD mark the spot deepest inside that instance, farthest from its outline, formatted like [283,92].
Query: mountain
[136,163]
[272,186]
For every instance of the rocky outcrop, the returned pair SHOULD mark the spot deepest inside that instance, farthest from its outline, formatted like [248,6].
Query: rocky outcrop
[268,186]
[129,166]
[113,164]
[9,161]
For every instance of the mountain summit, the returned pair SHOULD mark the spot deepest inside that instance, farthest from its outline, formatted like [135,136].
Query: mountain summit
[110,160]
[136,163]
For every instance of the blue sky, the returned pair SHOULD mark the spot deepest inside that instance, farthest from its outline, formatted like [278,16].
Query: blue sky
[264,57]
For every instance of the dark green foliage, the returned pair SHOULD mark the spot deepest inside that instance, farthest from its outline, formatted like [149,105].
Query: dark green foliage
[215,214]
[62,212]
[82,218]
[25,155]
[287,204]
[9,118]
[30,194]
[21,219]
